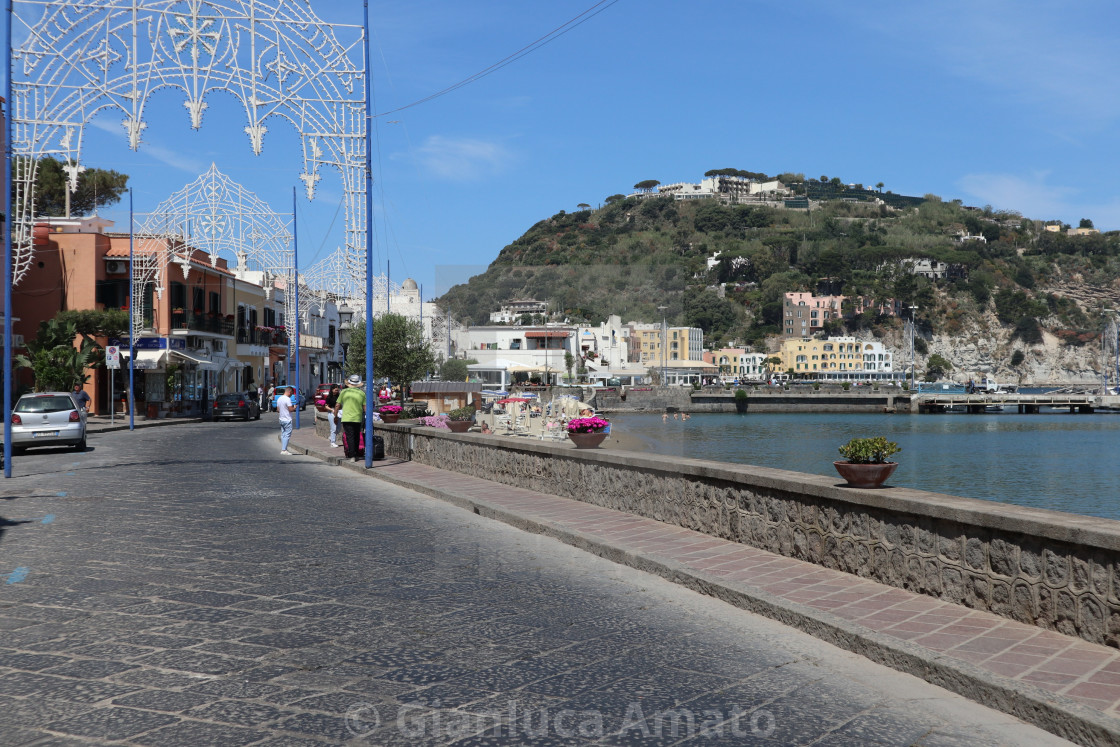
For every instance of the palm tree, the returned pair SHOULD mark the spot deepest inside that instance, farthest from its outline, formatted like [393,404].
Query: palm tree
[53,359]
[880,186]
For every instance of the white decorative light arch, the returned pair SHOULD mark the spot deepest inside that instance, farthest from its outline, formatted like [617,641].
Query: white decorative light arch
[81,58]
[212,214]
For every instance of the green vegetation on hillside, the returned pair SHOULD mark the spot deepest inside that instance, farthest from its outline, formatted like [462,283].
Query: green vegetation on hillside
[633,255]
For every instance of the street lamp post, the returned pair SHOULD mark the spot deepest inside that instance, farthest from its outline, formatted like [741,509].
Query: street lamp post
[913,365]
[345,316]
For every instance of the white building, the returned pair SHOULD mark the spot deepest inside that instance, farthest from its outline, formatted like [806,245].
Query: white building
[512,311]
[503,351]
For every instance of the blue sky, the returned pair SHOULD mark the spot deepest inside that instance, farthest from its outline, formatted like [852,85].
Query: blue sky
[1001,103]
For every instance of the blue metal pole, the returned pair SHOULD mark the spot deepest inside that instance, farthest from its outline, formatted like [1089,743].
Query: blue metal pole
[369,240]
[8,250]
[131,326]
[295,279]
[388,295]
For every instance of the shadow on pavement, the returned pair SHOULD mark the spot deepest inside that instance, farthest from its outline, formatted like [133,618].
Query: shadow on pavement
[5,523]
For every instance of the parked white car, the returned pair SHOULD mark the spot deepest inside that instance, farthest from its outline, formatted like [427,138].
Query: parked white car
[48,419]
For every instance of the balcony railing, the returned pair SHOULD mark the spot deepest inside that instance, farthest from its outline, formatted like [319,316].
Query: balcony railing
[202,323]
[247,336]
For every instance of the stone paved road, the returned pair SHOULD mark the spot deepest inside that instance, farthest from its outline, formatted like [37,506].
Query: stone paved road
[190,586]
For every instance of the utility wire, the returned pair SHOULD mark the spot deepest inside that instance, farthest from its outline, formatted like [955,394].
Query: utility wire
[556,33]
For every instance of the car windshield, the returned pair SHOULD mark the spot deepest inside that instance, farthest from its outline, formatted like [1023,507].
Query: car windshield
[45,403]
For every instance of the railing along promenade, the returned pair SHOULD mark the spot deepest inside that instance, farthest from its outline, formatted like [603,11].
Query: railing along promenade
[1024,403]
[1044,568]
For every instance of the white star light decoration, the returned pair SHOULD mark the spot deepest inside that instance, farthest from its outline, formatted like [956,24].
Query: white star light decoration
[215,215]
[82,58]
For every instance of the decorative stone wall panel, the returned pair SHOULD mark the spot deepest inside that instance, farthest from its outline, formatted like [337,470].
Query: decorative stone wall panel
[982,560]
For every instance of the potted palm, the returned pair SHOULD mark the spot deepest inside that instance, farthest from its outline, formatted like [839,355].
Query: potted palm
[867,465]
[460,420]
[587,433]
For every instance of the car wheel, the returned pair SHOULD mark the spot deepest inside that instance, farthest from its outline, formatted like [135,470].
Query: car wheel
[17,450]
[80,446]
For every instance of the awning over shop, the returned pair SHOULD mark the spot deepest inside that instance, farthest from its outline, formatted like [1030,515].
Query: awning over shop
[147,360]
[547,333]
[204,363]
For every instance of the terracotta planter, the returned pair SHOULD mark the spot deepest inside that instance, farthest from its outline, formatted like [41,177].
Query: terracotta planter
[459,426]
[587,440]
[865,475]
[390,417]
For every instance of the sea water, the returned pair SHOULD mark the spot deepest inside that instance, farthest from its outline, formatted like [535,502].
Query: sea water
[1053,460]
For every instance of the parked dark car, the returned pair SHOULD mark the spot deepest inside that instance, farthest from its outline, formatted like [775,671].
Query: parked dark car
[237,405]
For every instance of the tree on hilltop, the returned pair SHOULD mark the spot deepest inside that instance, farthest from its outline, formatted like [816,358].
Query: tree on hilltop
[647,185]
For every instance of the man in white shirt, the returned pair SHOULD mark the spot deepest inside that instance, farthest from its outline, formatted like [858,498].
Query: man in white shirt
[284,408]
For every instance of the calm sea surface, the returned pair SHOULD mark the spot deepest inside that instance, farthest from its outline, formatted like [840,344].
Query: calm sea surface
[1057,461]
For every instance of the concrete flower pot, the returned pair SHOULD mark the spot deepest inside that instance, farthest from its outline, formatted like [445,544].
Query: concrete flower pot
[587,440]
[459,426]
[865,475]
[390,417]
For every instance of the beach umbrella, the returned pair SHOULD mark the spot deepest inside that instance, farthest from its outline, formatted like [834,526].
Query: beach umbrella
[507,400]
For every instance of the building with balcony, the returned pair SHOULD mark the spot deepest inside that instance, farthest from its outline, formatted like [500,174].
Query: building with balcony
[837,359]
[804,314]
[738,364]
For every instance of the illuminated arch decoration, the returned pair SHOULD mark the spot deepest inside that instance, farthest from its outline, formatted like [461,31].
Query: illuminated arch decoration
[339,279]
[215,215]
[82,58]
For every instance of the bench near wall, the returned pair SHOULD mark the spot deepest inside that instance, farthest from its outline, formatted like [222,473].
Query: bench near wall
[1054,570]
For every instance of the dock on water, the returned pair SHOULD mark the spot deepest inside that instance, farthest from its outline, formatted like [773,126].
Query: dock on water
[1024,403]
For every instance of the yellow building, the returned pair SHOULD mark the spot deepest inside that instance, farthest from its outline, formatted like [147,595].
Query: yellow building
[684,344]
[807,356]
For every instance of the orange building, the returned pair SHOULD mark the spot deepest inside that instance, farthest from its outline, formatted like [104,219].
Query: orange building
[186,353]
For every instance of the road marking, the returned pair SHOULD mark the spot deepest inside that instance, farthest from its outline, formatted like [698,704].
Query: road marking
[48,519]
[61,494]
[18,575]
[70,473]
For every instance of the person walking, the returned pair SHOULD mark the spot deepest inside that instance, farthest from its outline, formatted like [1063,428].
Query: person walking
[352,402]
[81,397]
[332,410]
[284,408]
[260,396]
[267,404]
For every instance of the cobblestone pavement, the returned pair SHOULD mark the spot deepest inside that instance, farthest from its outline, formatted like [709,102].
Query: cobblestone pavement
[192,586]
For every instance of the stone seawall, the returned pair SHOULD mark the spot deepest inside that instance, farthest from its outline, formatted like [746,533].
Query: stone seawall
[1053,570]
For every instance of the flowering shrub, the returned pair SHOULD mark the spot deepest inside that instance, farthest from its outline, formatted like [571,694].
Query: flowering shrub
[462,413]
[586,425]
[390,409]
[434,421]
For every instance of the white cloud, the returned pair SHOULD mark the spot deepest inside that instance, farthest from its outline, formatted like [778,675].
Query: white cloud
[462,159]
[1035,198]
[1058,58]
[165,156]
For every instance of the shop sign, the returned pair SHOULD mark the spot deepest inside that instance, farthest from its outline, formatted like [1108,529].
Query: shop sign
[151,343]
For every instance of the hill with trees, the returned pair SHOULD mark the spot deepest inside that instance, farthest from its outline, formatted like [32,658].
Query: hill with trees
[1006,276]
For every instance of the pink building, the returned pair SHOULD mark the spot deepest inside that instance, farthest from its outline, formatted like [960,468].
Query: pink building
[804,314]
